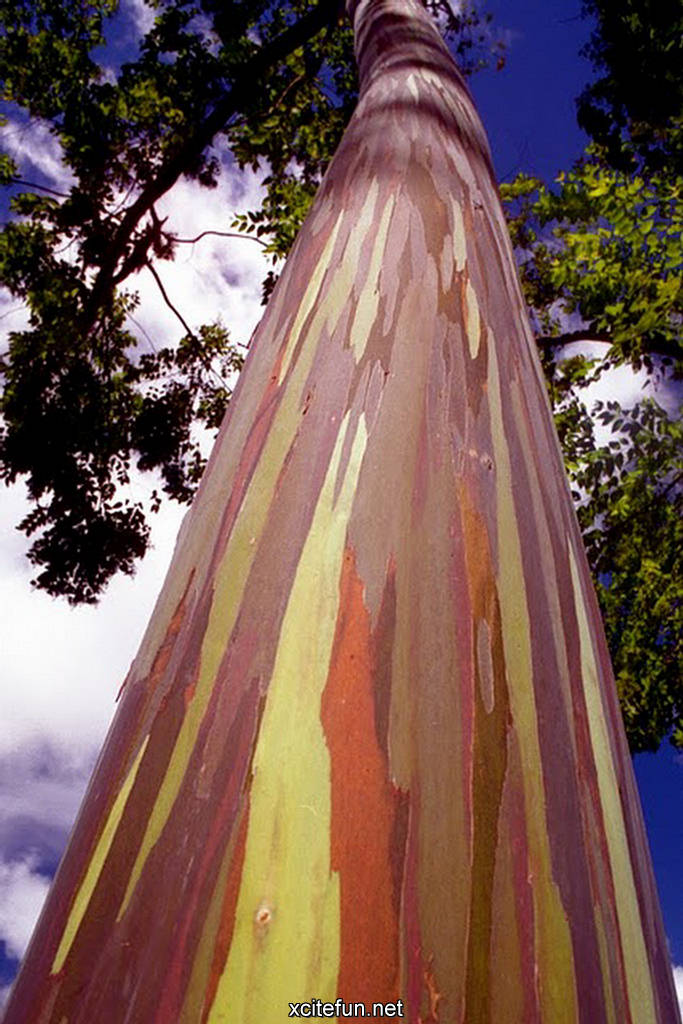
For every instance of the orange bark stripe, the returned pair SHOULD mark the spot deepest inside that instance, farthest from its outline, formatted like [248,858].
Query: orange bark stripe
[364,807]
[163,655]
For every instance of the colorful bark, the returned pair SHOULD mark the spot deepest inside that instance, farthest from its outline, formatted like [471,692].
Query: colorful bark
[370,746]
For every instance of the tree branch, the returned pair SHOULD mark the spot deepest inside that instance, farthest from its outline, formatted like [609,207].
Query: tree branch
[677,479]
[654,347]
[176,312]
[195,143]
[553,340]
[221,234]
[42,188]
[208,366]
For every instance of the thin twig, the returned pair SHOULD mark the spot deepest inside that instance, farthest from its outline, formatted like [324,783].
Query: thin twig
[196,141]
[568,337]
[43,188]
[288,88]
[657,347]
[166,299]
[123,200]
[146,335]
[222,234]
[14,309]
[207,362]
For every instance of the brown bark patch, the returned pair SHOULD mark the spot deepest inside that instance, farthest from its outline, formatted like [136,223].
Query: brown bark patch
[365,806]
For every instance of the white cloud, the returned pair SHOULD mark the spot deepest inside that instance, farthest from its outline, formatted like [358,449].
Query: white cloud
[40,791]
[622,384]
[678,982]
[441,17]
[22,894]
[620,380]
[34,148]
[141,13]
[62,667]
[214,277]
[13,316]
[61,670]
[41,786]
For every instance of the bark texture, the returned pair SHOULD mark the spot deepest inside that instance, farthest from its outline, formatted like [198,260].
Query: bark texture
[371,746]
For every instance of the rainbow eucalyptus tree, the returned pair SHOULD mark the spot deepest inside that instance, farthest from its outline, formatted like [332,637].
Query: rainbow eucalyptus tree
[370,750]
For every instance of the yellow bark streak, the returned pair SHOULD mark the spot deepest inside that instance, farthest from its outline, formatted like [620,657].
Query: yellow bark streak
[473,323]
[231,578]
[362,226]
[549,567]
[553,947]
[605,967]
[638,980]
[96,863]
[368,302]
[309,297]
[286,939]
[195,994]
[341,286]
[459,241]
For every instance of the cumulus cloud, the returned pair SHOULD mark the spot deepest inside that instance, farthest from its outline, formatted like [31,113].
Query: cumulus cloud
[678,982]
[13,317]
[61,670]
[41,785]
[141,13]
[22,893]
[214,277]
[34,148]
[62,667]
[622,384]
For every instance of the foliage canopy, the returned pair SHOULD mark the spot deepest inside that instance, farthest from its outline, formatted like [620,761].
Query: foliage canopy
[80,406]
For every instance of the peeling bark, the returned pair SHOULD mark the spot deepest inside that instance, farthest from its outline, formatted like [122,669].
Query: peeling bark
[370,747]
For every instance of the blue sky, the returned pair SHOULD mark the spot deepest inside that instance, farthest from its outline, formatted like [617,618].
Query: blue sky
[62,668]
[528,107]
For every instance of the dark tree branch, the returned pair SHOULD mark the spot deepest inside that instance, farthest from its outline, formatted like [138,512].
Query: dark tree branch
[677,479]
[558,340]
[176,312]
[196,142]
[221,234]
[293,85]
[41,188]
[188,330]
[657,347]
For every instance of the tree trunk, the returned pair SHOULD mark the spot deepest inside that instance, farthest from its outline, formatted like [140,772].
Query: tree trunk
[370,748]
